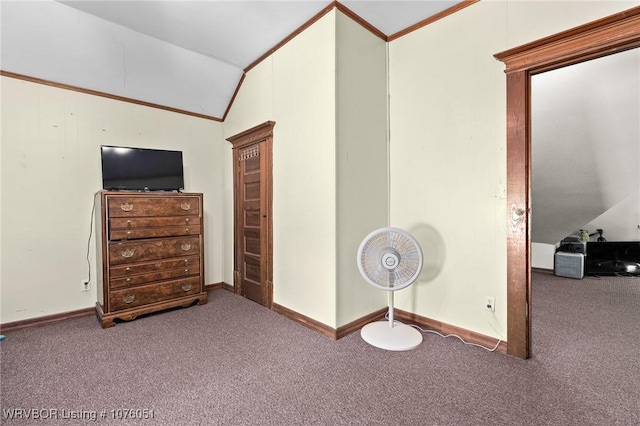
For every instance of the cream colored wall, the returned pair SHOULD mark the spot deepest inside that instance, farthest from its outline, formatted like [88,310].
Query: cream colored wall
[448,154]
[527,21]
[447,165]
[295,87]
[253,105]
[361,159]
[50,169]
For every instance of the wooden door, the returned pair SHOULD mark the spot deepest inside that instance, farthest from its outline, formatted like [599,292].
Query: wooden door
[251,208]
[253,260]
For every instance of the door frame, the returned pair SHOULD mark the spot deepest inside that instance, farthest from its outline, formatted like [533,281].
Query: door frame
[606,36]
[257,134]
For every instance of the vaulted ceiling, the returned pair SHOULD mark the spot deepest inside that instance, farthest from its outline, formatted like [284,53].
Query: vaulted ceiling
[184,55]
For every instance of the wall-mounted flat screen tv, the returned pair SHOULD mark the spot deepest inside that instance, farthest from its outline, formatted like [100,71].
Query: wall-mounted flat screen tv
[141,169]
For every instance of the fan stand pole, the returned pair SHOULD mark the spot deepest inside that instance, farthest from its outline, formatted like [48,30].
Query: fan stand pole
[390,299]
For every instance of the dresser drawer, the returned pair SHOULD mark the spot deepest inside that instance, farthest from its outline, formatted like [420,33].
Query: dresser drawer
[154,266]
[138,233]
[152,293]
[123,206]
[148,277]
[120,223]
[152,249]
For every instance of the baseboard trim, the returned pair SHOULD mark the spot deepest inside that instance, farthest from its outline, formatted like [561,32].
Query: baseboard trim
[317,326]
[212,287]
[443,328]
[50,319]
[47,319]
[423,322]
[228,287]
[543,270]
[325,330]
[356,325]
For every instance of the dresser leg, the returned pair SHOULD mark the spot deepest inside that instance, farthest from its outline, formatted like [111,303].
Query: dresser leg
[104,322]
[107,322]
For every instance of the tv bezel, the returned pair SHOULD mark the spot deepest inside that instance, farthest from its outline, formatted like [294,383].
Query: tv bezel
[142,183]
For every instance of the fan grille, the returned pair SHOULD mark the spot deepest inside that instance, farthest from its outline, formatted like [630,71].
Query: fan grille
[390,259]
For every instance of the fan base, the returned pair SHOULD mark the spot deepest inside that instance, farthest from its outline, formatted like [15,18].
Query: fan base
[400,337]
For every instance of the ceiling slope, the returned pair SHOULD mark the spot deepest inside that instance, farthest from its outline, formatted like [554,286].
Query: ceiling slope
[187,56]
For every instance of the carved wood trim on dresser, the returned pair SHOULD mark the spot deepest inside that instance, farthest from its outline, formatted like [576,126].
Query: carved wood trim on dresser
[151,251]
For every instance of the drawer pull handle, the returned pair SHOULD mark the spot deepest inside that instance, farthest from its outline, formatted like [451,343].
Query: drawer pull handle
[185,206]
[128,235]
[186,287]
[126,207]
[128,224]
[186,246]
[187,220]
[186,271]
[129,298]
[128,270]
[159,243]
[128,253]
[186,230]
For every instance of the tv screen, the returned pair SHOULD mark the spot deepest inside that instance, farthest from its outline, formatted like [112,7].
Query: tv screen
[613,258]
[141,169]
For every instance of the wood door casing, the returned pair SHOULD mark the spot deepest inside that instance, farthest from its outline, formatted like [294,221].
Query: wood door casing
[612,34]
[253,224]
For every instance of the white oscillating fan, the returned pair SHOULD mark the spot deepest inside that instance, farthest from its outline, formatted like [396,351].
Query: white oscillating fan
[390,259]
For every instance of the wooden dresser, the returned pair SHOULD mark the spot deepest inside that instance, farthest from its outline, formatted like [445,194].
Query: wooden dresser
[150,253]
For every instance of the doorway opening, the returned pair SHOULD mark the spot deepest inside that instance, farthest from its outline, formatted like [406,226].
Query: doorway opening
[606,36]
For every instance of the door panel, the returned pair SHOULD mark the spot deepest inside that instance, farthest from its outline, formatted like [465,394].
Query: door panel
[252,156]
[252,267]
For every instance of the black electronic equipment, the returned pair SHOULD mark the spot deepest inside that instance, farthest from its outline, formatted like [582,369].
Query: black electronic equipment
[141,169]
[613,258]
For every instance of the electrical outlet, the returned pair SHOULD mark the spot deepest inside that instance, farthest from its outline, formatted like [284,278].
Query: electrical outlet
[490,304]
[85,285]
